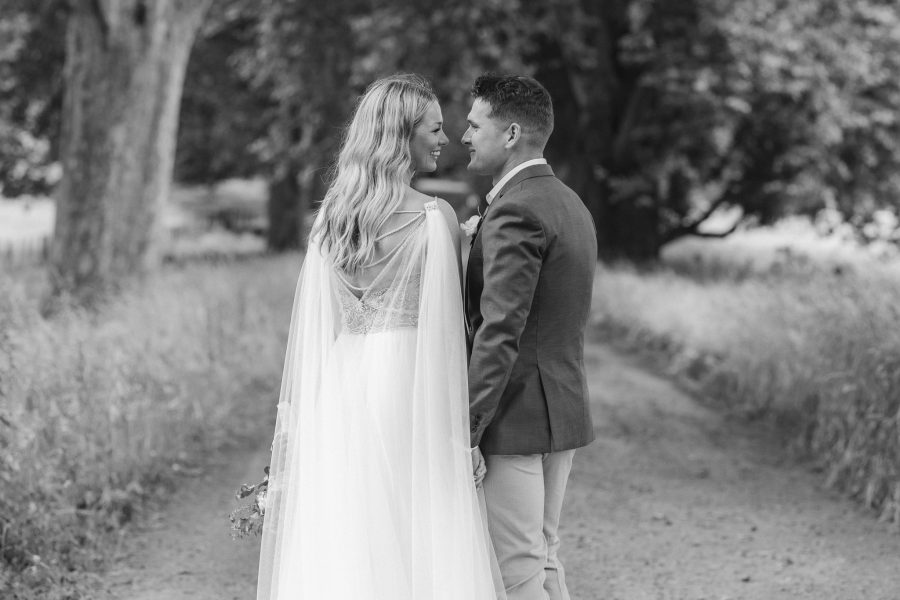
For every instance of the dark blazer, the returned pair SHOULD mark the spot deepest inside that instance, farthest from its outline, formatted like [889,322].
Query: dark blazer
[528,295]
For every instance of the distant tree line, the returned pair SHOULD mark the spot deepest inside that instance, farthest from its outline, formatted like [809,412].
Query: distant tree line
[666,111]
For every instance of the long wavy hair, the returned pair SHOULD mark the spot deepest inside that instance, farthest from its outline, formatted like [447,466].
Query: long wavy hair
[373,168]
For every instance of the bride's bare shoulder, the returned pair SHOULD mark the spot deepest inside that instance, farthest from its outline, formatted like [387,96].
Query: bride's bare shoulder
[415,200]
[448,211]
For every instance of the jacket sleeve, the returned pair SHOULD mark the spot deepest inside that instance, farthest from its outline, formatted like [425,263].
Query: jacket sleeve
[513,243]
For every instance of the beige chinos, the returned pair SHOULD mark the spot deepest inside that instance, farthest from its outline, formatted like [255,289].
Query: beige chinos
[524,496]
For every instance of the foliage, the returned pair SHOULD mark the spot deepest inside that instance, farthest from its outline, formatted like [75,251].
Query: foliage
[824,81]
[773,107]
[450,43]
[224,119]
[666,112]
[99,412]
[32,46]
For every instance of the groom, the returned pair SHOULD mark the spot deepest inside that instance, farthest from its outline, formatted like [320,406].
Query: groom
[528,295]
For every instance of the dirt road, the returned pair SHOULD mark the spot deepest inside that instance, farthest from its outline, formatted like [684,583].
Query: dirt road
[672,502]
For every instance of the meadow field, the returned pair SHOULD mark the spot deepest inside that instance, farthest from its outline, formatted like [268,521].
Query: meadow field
[102,413]
[199,222]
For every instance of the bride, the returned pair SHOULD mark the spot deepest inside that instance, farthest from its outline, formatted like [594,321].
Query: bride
[371,493]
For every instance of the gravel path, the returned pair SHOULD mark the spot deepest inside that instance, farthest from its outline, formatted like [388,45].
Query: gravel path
[672,502]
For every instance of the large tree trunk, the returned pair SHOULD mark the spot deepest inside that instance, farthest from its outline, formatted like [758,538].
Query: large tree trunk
[286,210]
[589,97]
[293,193]
[125,64]
[599,102]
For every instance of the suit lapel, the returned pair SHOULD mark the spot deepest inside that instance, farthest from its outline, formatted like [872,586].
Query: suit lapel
[523,175]
[477,231]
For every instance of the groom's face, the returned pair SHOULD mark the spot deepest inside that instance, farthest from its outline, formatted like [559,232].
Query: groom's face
[487,140]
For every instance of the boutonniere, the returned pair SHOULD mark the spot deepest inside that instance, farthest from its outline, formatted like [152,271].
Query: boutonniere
[471,226]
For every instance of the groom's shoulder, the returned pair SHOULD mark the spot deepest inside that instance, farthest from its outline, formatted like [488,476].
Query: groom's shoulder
[535,192]
[543,183]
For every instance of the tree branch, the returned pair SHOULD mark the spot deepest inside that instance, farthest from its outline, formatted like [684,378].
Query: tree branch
[721,201]
[718,234]
[693,228]
[727,195]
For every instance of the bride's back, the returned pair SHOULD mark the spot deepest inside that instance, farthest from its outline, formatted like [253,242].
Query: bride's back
[396,232]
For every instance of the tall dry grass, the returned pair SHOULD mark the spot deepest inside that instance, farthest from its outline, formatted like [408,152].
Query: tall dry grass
[99,411]
[812,348]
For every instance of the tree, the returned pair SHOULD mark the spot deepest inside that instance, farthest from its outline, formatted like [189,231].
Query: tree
[834,67]
[672,111]
[305,57]
[223,121]
[125,64]
[666,112]
[318,58]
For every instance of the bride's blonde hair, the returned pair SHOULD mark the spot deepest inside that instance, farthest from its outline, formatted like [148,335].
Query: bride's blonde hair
[373,168]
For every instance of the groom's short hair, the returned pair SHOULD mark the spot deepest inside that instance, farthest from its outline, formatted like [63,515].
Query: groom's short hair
[518,99]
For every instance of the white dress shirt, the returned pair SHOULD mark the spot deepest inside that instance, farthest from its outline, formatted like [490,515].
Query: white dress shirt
[499,186]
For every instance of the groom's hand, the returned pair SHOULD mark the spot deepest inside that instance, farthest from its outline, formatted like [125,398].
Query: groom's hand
[479,467]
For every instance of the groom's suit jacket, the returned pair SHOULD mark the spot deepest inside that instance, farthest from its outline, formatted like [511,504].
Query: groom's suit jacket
[528,295]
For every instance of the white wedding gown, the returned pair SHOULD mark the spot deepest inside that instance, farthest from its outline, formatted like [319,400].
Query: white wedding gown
[371,494]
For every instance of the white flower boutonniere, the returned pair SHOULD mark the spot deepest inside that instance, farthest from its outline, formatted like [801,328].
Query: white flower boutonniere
[471,226]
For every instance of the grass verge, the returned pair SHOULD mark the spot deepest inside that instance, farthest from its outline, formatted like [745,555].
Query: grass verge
[813,351]
[100,412]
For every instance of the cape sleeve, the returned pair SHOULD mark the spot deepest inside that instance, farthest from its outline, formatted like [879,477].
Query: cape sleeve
[312,334]
[443,463]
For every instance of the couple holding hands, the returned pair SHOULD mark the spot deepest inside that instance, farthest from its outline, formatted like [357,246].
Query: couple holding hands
[403,376]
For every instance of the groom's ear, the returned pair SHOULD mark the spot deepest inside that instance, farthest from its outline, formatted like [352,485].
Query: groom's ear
[513,135]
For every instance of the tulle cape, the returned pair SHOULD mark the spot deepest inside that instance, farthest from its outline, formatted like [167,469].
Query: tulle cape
[370,489]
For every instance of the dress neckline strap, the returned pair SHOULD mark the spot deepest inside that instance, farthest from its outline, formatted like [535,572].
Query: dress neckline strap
[419,214]
[430,205]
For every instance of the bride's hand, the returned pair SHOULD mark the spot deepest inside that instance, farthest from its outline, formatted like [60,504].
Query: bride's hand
[479,468]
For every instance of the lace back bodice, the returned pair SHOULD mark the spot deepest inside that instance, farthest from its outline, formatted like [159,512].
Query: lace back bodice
[381,309]
[391,301]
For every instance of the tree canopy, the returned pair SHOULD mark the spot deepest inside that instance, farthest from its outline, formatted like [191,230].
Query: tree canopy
[666,112]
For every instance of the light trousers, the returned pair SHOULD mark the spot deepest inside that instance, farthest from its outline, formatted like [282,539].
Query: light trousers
[524,496]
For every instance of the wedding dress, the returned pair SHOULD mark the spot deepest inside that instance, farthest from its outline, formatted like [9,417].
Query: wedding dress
[371,494]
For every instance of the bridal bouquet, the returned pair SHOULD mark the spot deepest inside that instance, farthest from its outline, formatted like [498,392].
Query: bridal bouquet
[247,519]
